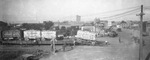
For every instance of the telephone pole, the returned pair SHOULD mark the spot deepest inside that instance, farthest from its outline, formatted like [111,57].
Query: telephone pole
[141,34]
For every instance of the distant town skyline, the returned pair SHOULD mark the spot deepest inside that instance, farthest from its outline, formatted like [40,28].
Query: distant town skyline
[20,11]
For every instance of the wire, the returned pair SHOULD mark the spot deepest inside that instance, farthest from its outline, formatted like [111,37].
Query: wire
[101,13]
[117,10]
[121,13]
[124,15]
[147,8]
[111,11]
[135,7]
[127,15]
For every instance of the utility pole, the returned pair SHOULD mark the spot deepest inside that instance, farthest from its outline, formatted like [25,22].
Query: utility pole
[141,34]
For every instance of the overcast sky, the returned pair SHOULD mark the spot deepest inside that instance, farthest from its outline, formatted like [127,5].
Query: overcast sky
[40,10]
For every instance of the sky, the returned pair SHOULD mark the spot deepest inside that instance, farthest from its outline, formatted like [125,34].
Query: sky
[20,11]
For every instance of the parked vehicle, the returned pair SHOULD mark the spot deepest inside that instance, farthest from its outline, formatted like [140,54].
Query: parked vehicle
[60,37]
[119,30]
[112,34]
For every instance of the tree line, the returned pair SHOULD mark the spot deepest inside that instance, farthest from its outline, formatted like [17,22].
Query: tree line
[38,26]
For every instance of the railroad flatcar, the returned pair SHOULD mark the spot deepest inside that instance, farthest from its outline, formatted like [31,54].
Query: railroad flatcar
[32,35]
[12,35]
[47,34]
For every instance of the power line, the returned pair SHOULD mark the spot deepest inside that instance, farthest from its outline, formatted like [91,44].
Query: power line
[121,13]
[122,16]
[112,11]
[135,7]
[147,8]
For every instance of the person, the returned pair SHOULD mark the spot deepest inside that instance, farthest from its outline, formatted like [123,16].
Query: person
[34,41]
[74,43]
[64,46]
[119,40]
[53,45]
[1,42]
[144,43]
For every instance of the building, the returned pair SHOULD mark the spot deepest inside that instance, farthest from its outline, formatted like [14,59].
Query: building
[109,23]
[69,24]
[78,18]
[124,24]
[88,28]
[101,23]
[144,26]
[104,23]
[148,27]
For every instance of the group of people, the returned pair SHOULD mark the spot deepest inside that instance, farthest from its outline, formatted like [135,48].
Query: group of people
[53,47]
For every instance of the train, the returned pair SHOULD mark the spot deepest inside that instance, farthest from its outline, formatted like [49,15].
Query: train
[10,35]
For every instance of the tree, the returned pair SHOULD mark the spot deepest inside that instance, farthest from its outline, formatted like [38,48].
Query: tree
[112,21]
[3,24]
[36,26]
[92,23]
[65,21]
[97,20]
[48,24]
[63,28]
[57,28]
[123,22]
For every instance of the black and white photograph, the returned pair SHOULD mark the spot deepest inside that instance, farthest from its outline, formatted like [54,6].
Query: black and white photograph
[74,29]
